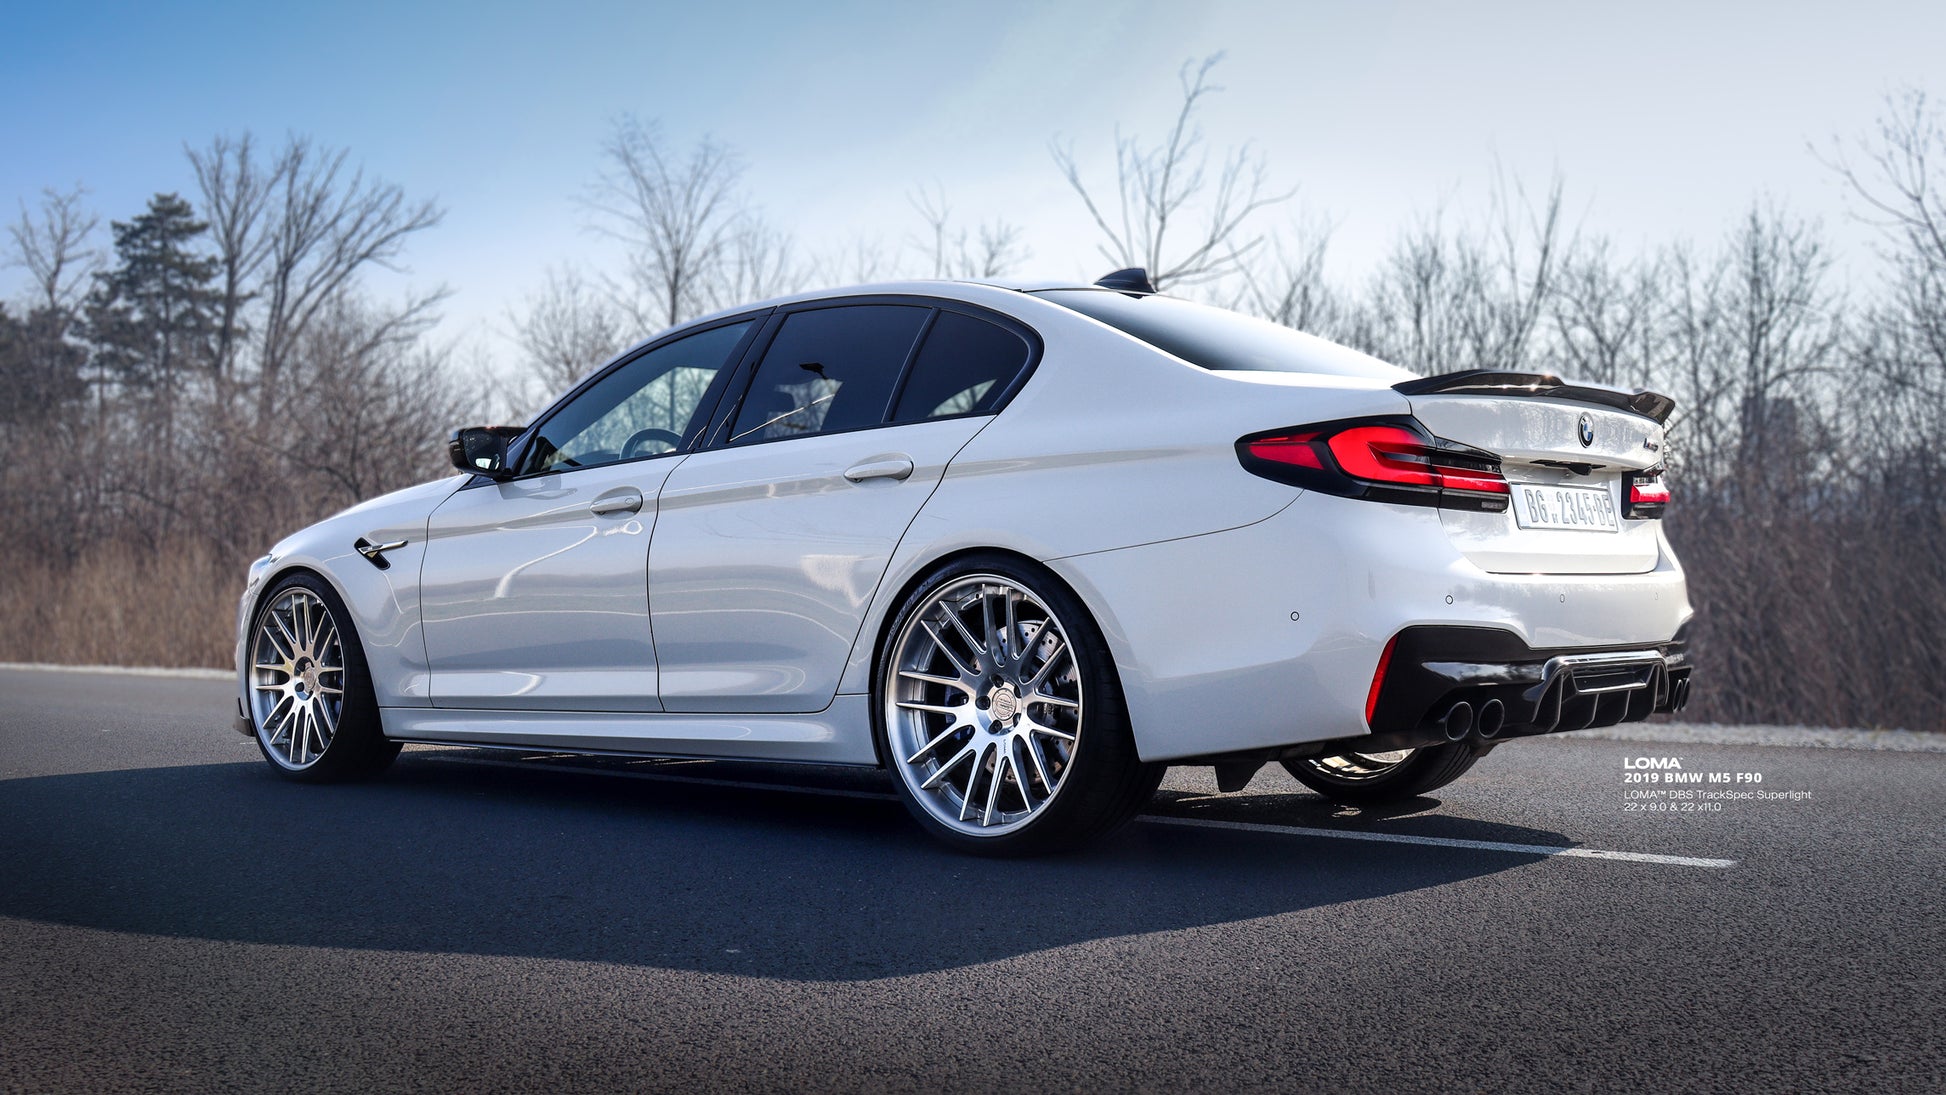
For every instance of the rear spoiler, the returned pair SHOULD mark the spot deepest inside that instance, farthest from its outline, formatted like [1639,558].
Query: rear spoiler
[1496,382]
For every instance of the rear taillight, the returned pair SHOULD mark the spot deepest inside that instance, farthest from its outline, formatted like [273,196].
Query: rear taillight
[1647,496]
[1390,460]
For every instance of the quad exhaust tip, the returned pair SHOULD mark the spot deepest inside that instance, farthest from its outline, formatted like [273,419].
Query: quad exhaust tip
[1458,721]
[1492,717]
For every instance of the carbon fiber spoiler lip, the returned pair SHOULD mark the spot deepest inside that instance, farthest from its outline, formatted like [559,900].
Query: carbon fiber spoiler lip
[1498,382]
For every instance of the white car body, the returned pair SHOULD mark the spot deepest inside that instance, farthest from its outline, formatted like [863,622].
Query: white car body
[739,610]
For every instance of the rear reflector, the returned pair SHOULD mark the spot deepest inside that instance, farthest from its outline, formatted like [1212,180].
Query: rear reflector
[1378,679]
[1391,460]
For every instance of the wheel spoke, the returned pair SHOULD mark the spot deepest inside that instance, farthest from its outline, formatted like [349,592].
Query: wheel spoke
[939,776]
[306,629]
[1040,763]
[986,619]
[966,800]
[1000,761]
[1013,627]
[1014,749]
[276,643]
[959,625]
[1057,735]
[1051,698]
[939,641]
[914,705]
[933,678]
[277,720]
[934,743]
[1060,647]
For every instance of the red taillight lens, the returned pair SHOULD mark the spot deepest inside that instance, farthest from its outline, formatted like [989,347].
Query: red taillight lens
[1299,450]
[1648,496]
[1384,454]
[1389,460]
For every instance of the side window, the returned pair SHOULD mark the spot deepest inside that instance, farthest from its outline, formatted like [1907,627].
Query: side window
[963,368]
[641,409]
[828,369]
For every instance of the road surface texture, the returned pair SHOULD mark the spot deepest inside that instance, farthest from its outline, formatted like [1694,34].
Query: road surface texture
[174,916]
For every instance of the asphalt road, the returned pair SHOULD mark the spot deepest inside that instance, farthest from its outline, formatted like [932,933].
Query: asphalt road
[174,916]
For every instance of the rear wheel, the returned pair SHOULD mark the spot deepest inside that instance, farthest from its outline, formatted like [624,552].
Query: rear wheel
[1369,779]
[311,696]
[999,710]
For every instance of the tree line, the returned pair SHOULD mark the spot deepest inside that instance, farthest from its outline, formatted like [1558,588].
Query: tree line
[217,372]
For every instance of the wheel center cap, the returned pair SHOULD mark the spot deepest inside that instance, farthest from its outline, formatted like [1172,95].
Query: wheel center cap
[307,671]
[1003,705]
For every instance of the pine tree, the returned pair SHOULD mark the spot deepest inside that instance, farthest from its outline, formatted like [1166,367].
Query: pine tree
[40,371]
[152,317]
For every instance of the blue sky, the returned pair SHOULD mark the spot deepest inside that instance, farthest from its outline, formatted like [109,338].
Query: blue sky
[1666,120]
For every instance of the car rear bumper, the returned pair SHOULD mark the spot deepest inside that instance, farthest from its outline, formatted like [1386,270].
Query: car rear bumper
[1458,682]
[1269,636]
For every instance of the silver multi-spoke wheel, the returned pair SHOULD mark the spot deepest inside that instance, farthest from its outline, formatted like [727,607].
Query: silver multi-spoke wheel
[297,678]
[1359,767]
[983,705]
[1377,777]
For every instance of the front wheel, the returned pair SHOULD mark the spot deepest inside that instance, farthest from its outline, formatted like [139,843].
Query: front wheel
[1371,779]
[311,695]
[999,710]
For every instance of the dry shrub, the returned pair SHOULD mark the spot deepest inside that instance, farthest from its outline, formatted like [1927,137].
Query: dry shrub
[122,605]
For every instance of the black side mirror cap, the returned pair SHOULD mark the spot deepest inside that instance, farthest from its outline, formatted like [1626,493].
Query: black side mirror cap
[482,450]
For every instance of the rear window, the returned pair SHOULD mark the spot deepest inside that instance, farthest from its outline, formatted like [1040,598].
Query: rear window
[1216,338]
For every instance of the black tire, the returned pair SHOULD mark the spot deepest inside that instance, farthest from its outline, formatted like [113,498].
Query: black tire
[1351,779]
[354,745]
[1102,782]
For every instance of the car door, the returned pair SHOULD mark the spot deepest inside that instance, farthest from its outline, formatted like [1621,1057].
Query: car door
[535,589]
[770,543]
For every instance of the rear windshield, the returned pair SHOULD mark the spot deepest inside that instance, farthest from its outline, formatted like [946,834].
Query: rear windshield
[1219,339]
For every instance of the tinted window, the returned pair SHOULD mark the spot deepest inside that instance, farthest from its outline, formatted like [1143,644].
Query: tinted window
[1219,339]
[827,370]
[644,408]
[963,368]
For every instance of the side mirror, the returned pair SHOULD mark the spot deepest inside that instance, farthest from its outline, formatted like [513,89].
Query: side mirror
[482,450]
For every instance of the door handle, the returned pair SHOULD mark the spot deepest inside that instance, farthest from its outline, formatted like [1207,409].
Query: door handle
[891,467]
[620,502]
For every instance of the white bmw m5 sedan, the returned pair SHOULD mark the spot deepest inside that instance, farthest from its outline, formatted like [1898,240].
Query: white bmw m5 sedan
[1025,546]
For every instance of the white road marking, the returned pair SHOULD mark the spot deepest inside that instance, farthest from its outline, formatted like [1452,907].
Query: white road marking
[128,670]
[1442,842]
[1153,819]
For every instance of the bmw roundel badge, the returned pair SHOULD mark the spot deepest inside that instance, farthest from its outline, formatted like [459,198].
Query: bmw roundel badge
[1587,430]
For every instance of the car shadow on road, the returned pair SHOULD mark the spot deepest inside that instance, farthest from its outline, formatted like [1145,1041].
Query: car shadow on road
[535,860]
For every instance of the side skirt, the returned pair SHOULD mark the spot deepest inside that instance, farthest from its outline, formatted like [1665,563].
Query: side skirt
[840,734]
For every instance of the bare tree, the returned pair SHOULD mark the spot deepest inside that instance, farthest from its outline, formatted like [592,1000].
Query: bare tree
[1470,297]
[1607,313]
[1170,212]
[679,218]
[51,241]
[1288,285]
[761,262]
[328,227]
[993,250]
[236,193]
[567,330]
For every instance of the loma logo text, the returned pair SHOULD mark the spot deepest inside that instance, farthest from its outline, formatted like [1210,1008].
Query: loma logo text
[1652,762]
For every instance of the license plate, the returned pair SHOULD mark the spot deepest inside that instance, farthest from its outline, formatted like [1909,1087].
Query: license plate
[1588,509]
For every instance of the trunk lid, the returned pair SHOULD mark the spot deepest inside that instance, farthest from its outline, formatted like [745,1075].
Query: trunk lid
[1565,451]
